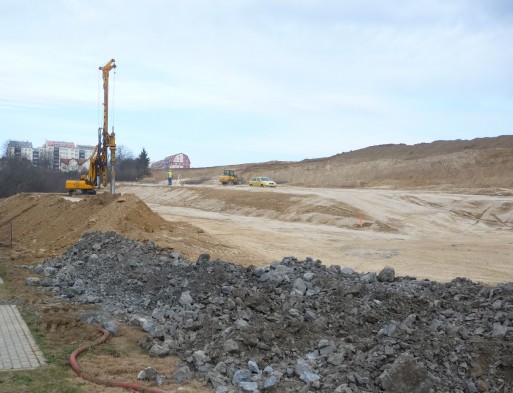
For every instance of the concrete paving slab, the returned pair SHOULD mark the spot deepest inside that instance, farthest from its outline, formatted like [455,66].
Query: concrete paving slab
[18,350]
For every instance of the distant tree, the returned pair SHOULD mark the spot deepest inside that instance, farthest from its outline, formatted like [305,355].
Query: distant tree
[17,174]
[143,164]
[45,159]
[5,151]
[124,153]
[125,164]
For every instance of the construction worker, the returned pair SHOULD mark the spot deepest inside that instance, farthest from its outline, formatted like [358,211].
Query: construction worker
[170,177]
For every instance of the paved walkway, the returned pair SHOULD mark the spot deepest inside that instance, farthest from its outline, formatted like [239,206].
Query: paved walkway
[18,350]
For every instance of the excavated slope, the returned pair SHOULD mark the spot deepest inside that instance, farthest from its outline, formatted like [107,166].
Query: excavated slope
[483,162]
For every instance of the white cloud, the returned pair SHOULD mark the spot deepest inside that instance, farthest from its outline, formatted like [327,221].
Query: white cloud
[343,68]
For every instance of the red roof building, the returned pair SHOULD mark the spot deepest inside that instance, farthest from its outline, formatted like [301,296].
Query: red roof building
[179,160]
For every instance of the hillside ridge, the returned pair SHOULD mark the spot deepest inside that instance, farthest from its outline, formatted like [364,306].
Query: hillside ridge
[477,163]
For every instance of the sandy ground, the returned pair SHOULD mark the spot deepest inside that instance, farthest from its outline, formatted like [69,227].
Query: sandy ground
[435,235]
[427,234]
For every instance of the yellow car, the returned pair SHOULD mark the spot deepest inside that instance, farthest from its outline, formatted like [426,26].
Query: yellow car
[261,182]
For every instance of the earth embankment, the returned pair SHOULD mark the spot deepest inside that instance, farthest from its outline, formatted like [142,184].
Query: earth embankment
[477,163]
[426,234]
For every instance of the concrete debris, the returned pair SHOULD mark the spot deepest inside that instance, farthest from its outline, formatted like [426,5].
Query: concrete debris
[33,281]
[150,374]
[309,327]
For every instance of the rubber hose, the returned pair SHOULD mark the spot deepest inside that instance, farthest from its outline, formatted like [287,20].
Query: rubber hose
[112,384]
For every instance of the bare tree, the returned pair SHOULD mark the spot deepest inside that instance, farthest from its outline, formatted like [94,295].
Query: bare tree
[5,149]
[123,153]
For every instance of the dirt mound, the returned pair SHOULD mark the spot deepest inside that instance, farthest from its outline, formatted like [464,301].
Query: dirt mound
[46,224]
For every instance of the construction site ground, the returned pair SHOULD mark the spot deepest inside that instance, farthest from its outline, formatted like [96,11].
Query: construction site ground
[425,234]
[436,234]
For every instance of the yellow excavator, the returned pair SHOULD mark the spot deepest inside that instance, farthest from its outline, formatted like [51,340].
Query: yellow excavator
[97,174]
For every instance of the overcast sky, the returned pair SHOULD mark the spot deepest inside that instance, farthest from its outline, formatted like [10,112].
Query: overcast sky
[236,81]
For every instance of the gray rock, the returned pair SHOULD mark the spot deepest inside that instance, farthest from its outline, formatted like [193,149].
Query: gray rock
[200,358]
[111,327]
[147,325]
[346,271]
[50,271]
[175,255]
[216,379]
[305,371]
[300,286]
[148,374]
[310,316]
[271,382]
[158,351]
[253,367]
[186,299]
[387,274]
[33,281]
[368,278]
[344,388]
[79,287]
[231,346]
[203,258]
[336,359]
[249,387]
[48,282]
[406,375]
[410,320]
[241,376]
[160,380]
[182,375]
[388,330]
[241,323]
[498,330]
[326,347]
[309,377]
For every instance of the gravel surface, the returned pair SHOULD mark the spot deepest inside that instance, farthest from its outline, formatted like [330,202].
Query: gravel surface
[293,326]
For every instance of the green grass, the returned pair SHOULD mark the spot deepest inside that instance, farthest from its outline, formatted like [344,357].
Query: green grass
[46,379]
[51,378]
[111,351]
[54,377]
[22,378]
[33,322]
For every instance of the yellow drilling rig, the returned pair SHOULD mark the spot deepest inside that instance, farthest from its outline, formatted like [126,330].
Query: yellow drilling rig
[97,174]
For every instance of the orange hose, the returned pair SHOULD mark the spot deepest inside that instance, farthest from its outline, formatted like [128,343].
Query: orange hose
[74,365]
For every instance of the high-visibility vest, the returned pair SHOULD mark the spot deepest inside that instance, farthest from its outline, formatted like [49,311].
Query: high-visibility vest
[170,174]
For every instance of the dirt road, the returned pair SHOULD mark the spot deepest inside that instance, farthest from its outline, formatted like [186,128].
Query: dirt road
[434,235]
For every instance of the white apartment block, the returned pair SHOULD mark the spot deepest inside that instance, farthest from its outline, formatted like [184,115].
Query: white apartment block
[20,149]
[64,156]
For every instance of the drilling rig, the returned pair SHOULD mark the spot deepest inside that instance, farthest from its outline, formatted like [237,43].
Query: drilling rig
[97,175]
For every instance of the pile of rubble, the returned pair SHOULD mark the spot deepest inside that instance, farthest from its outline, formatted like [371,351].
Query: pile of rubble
[294,326]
